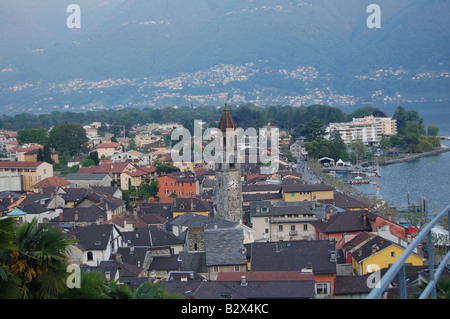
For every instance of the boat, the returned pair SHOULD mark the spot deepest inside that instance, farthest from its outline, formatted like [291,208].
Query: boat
[371,174]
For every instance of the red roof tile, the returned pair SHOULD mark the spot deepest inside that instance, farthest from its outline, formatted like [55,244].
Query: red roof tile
[19,164]
[52,181]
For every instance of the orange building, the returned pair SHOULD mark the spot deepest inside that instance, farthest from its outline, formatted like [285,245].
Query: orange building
[180,184]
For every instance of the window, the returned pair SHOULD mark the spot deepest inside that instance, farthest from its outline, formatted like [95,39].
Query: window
[216,268]
[322,288]
[280,227]
[237,268]
[195,247]
[305,226]
[267,230]
[292,194]
[292,227]
[90,255]
[392,254]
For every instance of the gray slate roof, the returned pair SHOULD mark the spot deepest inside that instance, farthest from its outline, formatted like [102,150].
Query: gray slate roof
[224,246]
[199,221]
[292,256]
[84,176]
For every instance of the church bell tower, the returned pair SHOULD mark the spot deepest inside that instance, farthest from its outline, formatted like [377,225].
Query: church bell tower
[228,175]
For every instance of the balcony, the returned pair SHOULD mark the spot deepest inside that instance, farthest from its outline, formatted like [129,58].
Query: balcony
[398,268]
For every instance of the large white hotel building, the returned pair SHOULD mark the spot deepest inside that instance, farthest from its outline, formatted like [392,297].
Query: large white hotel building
[369,130]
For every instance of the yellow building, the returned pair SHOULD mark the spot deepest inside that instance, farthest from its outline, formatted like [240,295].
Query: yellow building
[31,156]
[31,172]
[302,192]
[379,253]
[191,206]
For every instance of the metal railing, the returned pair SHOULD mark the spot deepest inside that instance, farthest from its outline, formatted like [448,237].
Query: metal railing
[399,266]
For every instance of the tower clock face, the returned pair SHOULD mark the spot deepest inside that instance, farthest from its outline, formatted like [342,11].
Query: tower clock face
[233,184]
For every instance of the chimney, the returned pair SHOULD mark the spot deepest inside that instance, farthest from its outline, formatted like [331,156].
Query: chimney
[381,240]
[365,219]
[360,251]
[374,249]
[243,281]
[135,213]
[100,220]
[328,215]
[75,216]
[61,217]
[192,205]
[119,258]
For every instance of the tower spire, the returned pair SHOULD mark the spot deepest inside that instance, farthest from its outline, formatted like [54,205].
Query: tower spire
[226,121]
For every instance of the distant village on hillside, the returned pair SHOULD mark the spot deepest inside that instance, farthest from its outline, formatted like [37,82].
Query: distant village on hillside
[208,230]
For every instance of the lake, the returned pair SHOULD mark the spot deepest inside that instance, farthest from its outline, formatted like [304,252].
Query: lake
[428,177]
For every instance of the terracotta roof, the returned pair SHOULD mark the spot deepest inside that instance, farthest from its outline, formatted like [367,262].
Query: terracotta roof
[29,148]
[108,145]
[19,164]
[226,121]
[52,181]
[357,240]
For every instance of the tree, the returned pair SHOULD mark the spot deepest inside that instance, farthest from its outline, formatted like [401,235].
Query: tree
[433,130]
[403,116]
[385,143]
[442,288]
[40,156]
[167,168]
[313,129]
[359,149]
[149,290]
[35,135]
[70,138]
[338,147]
[94,156]
[37,258]
[47,154]
[9,282]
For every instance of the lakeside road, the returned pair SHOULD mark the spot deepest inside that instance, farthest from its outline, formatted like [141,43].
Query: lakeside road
[308,175]
[414,157]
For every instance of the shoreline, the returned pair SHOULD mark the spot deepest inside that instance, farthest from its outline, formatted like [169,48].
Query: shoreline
[414,157]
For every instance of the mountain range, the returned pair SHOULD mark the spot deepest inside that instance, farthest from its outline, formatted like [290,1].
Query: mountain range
[172,53]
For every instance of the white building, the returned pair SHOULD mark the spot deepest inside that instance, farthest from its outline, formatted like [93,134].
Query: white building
[368,130]
[10,181]
[385,125]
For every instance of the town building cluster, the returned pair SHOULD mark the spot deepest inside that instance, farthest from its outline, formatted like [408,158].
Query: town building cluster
[216,231]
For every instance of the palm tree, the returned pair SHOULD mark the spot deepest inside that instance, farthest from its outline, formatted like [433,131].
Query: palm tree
[442,288]
[9,283]
[37,257]
[93,285]
[149,290]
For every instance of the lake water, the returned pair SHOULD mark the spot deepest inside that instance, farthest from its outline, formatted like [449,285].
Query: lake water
[428,177]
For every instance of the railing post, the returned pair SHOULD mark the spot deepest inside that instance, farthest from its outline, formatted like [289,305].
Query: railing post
[431,262]
[402,282]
